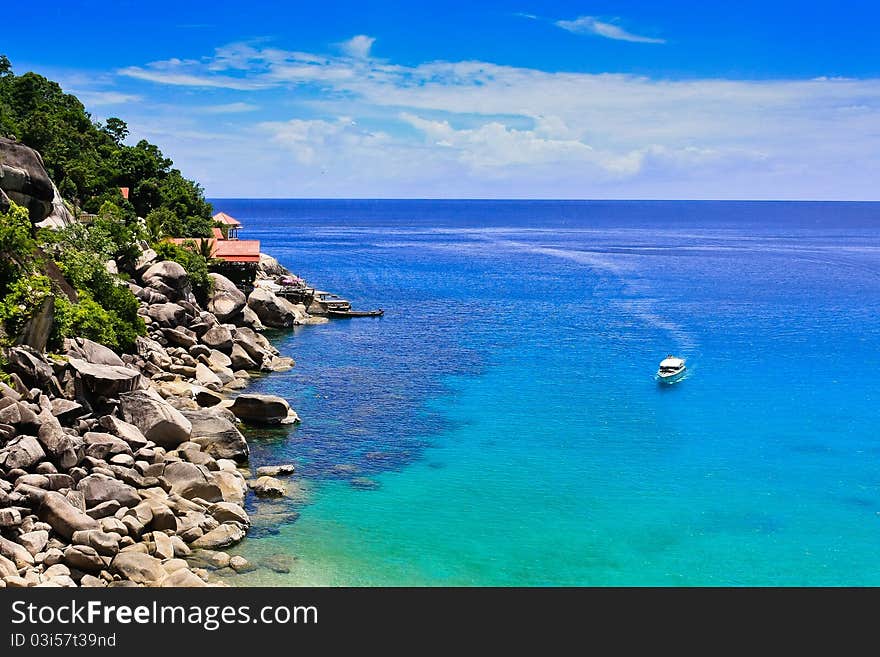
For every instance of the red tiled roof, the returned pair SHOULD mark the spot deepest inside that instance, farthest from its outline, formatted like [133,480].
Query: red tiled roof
[237,250]
[124,192]
[224,218]
[229,250]
[218,234]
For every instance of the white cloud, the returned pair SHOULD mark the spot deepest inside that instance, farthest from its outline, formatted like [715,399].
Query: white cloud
[319,142]
[477,128]
[592,25]
[358,46]
[102,98]
[229,108]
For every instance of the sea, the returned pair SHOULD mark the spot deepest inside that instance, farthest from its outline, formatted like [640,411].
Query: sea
[501,424]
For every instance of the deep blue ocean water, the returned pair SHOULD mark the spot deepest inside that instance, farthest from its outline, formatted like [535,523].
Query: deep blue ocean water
[501,424]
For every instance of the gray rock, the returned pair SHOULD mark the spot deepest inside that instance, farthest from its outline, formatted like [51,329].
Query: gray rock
[240,565]
[261,409]
[21,452]
[267,487]
[99,488]
[105,543]
[24,179]
[183,578]
[274,470]
[232,486]
[83,557]
[240,358]
[206,398]
[224,536]
[90,581]
[270,309]
[157,419]
[35,541]
[16,553]
[63,449]
[10,518]
[164,548]
[128,432]
[7,567]
[30,366]
[138,567]
[103,445]
[178,337]
[213,430]
[206,377]
[226,299]
[229,512]
[104,509]
[168,278]
[191,481]
[66,410]
[104,380]
[218,337]
[91,352]
[167,314]
[62,516]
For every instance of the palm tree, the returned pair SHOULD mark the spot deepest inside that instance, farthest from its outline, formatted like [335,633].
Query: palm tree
[205,248]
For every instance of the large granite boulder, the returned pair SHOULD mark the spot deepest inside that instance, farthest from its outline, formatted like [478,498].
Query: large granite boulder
[21,452]
[62,449]
[60,216]
[270,267]
[24,179]
[262,409]
[128,432]
[271,310]
[91,352]
[191,481]
[157,420]
[219,338]
[64,518]
[138,567]
[226,299]
[224,536]
[103,380]
[167,314]
[98,488]
[168,278]
[240,358]
[31,366]
[215,431]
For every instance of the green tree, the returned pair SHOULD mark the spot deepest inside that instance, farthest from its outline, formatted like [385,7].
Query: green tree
[117,129]
[16,245]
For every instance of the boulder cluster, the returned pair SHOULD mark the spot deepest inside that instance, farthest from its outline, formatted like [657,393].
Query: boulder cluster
[130,470]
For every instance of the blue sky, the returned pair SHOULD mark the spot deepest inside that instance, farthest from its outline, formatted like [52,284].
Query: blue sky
[503,99]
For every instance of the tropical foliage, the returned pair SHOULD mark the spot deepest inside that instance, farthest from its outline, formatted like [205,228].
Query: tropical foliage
[89,161]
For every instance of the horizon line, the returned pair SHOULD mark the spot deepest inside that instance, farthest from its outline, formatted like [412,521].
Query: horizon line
[540,200]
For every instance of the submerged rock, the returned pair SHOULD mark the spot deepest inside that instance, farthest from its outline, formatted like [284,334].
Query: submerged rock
[267,487]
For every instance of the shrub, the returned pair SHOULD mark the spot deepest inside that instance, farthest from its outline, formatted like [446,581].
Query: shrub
[25,298]
[89,319]
[16,245]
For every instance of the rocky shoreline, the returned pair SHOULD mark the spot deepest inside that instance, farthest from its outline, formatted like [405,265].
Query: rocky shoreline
[131,469]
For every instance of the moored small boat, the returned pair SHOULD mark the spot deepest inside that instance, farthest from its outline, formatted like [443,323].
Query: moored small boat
[348,314]
[671,369]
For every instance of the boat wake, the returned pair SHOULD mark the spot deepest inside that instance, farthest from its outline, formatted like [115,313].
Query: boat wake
[623,267]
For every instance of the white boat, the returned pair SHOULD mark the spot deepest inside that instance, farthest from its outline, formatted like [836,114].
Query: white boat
[672,369]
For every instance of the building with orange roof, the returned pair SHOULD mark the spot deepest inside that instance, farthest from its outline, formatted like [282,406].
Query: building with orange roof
[224,244]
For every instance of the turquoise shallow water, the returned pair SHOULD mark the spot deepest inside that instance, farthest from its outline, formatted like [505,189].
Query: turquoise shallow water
[501,424]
